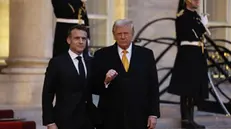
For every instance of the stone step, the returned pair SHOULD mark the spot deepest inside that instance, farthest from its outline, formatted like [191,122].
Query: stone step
[27,112]
[170,117]
[211,122]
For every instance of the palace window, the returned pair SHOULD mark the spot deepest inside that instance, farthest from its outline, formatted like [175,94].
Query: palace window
[219,14]
[102,14]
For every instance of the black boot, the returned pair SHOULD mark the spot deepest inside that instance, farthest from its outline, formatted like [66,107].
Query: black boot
[191,114]
[186,123]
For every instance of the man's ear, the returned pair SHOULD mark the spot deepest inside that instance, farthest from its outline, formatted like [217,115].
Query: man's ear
[69,40]
[113,36]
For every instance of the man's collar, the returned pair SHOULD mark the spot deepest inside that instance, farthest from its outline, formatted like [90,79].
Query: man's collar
[74,55]
[129,49]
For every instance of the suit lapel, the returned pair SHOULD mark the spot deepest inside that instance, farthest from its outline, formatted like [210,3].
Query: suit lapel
[87,63]
[134,59]
[71,65]
[116,59]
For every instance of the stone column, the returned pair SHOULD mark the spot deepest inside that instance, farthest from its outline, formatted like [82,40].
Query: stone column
[31,38]
[31,28]
[4,31]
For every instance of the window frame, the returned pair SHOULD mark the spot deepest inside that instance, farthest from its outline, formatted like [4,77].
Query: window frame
[110,17]
[216,23]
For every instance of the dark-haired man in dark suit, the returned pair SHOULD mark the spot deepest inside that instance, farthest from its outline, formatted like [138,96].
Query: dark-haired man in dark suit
[66,79]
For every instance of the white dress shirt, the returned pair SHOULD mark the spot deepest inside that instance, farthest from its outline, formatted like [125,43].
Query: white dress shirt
[128,54]
[76,62]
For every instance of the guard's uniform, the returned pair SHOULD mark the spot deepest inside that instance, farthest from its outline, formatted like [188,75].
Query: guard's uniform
[68,13]
[189,75]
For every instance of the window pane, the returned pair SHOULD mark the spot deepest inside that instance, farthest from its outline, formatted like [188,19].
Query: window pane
[97,7]
[216,10]
[98,32]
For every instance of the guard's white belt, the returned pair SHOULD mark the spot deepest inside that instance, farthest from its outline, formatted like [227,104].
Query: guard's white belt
[194,43]
[74,21]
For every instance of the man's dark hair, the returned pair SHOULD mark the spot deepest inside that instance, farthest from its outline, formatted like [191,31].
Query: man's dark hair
[78,27]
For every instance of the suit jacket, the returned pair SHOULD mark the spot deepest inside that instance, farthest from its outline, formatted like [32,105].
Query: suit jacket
[132,96]
[71,91]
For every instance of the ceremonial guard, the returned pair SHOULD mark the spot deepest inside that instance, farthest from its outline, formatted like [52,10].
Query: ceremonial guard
[189,76]
[68,13]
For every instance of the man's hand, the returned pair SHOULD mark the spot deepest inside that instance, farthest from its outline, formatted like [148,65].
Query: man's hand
[52,126]
[111,74]
[151,122]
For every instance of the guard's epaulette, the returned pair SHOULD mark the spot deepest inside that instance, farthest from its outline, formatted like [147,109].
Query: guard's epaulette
[180,13]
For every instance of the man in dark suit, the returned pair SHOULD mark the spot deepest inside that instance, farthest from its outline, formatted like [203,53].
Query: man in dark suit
[66,78]
[68,13]
[124,76]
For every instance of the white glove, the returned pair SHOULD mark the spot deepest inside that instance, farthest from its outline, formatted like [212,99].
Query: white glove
[204,19]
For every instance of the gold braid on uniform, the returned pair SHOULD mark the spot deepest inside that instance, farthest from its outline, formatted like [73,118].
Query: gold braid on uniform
[180,13]
[82,9]
[80,17]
